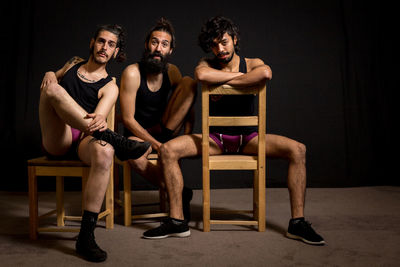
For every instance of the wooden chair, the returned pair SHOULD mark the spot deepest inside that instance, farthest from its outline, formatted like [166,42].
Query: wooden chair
[126,203]
[235,162]
[43,166]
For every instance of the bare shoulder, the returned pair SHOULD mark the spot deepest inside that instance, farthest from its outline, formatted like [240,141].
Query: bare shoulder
[254,62]
[72,62]
[131,71]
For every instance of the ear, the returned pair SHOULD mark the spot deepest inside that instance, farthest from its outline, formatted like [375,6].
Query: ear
[116,52]
[234,40]
[170,51]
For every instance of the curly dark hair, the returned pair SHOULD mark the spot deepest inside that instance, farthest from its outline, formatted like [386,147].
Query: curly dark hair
[163,25]
[118,31]
[215,28]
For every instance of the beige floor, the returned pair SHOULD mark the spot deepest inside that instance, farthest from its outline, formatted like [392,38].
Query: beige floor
[360,225]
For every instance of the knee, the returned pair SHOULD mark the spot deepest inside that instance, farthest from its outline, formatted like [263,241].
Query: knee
[52,91]
[167,152]
[103,156]
[189,85]
[298,153]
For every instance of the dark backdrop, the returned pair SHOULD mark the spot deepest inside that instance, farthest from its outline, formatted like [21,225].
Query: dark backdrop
[331,85]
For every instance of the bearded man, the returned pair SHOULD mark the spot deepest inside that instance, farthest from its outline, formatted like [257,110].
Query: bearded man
[157,102]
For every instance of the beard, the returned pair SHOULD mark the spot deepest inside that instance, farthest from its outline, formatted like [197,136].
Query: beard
[152,65]
[97,60]
[224,60]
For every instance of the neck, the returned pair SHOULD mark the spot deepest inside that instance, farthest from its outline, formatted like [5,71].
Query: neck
[93,67]
[232,65]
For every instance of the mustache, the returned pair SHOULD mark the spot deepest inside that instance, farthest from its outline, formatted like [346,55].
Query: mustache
[156,54]
[103,52]
[222,54]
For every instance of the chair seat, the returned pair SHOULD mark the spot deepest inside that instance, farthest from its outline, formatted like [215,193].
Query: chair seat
[45,161]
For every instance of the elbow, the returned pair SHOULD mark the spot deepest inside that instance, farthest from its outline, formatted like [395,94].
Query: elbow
[199,75]
[267,72]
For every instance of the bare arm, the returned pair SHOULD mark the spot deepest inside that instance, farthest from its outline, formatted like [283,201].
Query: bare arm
[258,72]
[55,77]
[206,74]
[130,82]
[108,96]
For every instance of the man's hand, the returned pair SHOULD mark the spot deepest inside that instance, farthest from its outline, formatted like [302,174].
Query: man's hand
[98,122]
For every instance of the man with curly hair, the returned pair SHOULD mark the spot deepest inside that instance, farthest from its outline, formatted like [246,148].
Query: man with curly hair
[220,36]
[74,104]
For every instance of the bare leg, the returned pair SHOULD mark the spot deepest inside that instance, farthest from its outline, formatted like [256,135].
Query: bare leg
[295,152]
[171,152]
[57,110]
[180,104]
[147,169]
[99,157]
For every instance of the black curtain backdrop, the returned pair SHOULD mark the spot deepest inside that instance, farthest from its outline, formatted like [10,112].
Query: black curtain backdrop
[331,87]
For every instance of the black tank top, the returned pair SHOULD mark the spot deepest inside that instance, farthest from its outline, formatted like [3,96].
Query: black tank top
[150,105]
[233,105]
[85,94]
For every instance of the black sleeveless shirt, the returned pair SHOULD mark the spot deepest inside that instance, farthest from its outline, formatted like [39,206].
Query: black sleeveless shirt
[150,105]
[233,105]
[85,94]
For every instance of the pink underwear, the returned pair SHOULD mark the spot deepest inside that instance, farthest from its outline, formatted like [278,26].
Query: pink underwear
[76,135]
[232,143]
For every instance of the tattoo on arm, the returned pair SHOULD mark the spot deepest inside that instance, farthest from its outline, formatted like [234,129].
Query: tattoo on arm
[74,60]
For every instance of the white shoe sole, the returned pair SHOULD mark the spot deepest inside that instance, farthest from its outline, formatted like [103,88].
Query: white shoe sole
[289,235]
[183,234]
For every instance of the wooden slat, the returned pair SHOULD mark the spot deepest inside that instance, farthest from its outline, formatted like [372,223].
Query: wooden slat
[233,162]
[229,90]
[233,121]
[149,216]
[234,222]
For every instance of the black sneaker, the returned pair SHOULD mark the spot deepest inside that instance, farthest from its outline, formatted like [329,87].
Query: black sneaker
[125,148]
[187,195]
[301,229]
[168,228]
[89,250]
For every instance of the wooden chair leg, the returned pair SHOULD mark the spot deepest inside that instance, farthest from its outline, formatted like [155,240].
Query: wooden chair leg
[255,196]
[261,199]
[127,194]
[110,203]
[85,177]
[33,203]
[60,201]
[206,200]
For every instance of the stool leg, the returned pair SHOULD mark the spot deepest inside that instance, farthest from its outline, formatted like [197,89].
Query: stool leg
[33,203]
[127,194]
[206,200]
[110,201]
[60,201]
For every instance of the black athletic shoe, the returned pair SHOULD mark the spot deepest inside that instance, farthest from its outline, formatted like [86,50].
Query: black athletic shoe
[86,247]
[125,148]
[301,229]
[187,195]
[168,228]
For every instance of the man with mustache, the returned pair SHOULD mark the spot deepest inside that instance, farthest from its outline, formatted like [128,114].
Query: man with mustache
[74,104]
[156,101]
[220,36]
